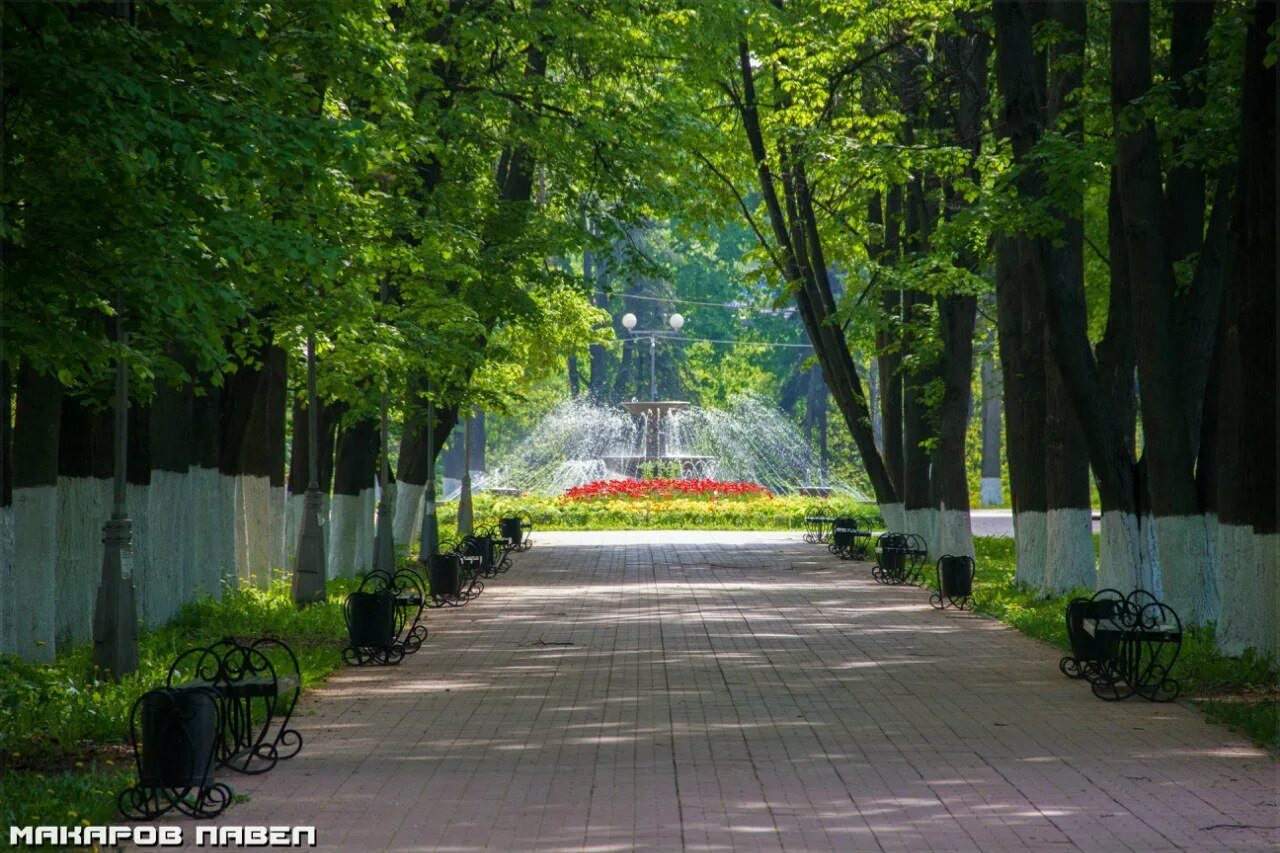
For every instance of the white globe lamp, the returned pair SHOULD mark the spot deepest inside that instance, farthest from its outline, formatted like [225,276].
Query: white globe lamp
[676,322]
[628,321]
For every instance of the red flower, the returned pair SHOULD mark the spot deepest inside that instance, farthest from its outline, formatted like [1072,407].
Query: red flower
[662,488]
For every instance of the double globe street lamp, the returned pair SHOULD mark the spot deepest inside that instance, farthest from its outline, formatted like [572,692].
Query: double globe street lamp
[675,321]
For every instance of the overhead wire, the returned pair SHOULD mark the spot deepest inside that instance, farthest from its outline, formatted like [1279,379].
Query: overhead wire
[736,306]
[684,338]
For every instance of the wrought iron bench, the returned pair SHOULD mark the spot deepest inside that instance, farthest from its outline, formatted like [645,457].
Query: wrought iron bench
[818,521]
[257,685]
[847,541]
[1124,644]
[384,618]
[493,559]
[900,558]
[453,579]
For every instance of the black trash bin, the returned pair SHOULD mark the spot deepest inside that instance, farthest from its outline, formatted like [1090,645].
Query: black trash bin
[444,574]
[956,577]
[371,619]
[512,530]
[179,737]
[842,533]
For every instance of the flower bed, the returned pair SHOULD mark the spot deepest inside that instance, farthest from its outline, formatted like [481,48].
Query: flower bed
[663,488]
[676,512]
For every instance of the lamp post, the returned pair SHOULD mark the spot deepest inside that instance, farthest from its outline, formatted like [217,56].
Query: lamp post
[115,613]
[466,523]
[675,321]
[384,548]
[309,568]
[429,536]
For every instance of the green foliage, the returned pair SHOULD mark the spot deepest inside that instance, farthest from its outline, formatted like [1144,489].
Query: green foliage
[778,513]
[84,795]
[50,712]
[657,470]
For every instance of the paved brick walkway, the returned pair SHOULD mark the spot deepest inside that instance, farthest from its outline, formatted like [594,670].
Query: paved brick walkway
[708,691]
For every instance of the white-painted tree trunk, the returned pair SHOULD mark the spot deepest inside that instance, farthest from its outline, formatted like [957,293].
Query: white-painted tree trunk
[84,504]
[924,523]
[228,544]
[365,530]
[211,529]
[894,516]
[7,614]
[170,546]
[253,529]
[1149,567]
[279,531]
[35,551]
[344,519]
[408,518]
[992,493]
[1249,617]
[1030,530]
[955,533]
[292,521]
[1120,555]
[1188,575]
[1068,557]
[150,579]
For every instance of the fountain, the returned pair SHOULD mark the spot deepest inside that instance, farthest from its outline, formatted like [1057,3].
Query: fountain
[580,441]
[657,420]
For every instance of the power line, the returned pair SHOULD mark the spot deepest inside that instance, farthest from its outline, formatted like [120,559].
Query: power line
[683,338]
[736,306]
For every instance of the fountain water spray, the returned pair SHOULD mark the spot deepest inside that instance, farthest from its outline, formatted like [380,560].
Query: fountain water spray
[581,441]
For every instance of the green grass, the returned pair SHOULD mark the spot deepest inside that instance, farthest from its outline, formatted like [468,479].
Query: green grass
[63,757]
[1241,693]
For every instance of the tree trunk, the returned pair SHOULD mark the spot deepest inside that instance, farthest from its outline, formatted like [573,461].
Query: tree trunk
[85,456]
[1248,544]
[37,412]
[949,478]
[213,494]
[246,457]
[992,488]
[1069,559]
[1022,366]
[967,55]
[1101,385]
[351,511]
[921,514]
[1189,581]
[300,470]
[277,363]
[889,362]
[148,576]
[169,512]
[800,267]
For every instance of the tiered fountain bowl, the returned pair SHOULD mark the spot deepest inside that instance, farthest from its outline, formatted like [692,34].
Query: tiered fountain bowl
[655,421]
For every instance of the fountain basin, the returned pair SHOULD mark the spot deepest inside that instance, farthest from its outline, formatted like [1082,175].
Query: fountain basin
[691,466]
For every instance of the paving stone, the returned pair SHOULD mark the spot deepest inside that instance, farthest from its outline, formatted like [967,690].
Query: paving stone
[718,691]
